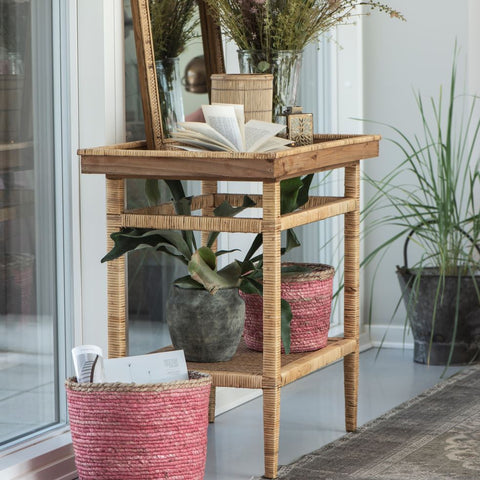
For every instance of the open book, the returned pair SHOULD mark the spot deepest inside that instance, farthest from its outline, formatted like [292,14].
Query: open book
[225,130]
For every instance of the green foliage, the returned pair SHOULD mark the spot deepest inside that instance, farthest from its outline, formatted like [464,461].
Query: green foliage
[202,262]
[440,204]
[285,24]
[174,24]
[439,207]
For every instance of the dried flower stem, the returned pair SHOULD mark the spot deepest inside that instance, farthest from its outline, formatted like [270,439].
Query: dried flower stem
[285,24]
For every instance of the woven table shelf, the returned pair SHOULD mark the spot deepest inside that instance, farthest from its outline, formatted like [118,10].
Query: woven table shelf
[162,216]
[245,369]
[132,160]
[248,369]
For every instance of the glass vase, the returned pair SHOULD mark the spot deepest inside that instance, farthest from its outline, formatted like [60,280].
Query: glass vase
[170,93]
[285,67]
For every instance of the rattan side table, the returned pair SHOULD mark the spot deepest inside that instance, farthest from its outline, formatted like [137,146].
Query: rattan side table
[269,370]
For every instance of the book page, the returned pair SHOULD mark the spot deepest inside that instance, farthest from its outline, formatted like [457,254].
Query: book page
[257,133]
[205,133]
[198,145]
[240,114]
[275,144]
[223,118]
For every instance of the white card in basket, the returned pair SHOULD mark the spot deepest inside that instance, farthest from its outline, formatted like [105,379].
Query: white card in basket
[151,368]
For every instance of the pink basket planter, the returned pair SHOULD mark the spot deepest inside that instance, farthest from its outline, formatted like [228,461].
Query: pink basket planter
[140,432]
[310,297]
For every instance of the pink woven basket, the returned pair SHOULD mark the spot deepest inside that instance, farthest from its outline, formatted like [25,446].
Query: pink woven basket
[142,432]
[310,297]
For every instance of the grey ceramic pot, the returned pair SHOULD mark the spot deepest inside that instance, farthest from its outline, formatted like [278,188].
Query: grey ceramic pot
[207,327]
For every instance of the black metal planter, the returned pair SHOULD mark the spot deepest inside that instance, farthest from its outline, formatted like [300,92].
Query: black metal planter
[432,301]
[420,299]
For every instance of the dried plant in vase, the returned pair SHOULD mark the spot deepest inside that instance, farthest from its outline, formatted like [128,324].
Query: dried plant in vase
[286,24]
[271,34]
[174,25]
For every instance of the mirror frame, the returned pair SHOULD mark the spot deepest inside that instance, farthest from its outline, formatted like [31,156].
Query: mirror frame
[214,63]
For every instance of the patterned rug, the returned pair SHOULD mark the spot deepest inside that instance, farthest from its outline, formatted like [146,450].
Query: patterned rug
[435,436]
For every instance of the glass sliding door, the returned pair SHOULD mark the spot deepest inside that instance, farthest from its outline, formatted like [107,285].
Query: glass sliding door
[29,392]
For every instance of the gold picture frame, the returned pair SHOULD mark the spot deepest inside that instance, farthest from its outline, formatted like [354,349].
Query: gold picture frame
[214,63]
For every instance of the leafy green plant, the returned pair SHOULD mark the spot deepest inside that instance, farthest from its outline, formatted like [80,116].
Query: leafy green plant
[202,262]
[439,207]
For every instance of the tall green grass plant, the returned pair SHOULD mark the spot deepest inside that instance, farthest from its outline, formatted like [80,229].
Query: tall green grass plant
[438,208]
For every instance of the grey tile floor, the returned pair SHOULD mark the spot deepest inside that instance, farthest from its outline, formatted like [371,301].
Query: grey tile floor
[312,408]
[312,411]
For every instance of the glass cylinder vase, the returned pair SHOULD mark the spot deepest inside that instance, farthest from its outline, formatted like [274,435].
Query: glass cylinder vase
[285,67]
[170,93]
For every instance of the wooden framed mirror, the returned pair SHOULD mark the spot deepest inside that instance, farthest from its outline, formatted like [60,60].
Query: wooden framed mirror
[212,51]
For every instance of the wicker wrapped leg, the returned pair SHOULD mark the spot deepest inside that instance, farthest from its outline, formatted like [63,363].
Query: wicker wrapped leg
[211,406]
[117,301]
[350,366]
[352,296]
[209,187]
[271,430]
[271,325]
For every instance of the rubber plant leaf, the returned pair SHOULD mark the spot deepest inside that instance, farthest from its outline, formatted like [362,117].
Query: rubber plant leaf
[152,191]
[123,242]
[129,239]
[188,282]
[208,256]
[172,237]
[212,281]
[232,273]
[176,189]
[292,242]
[302,198]
[219,253]
[289,190]
[226,210]
[183,206]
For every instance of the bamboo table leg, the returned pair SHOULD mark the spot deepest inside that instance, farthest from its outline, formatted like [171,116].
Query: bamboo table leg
[352,295]
[117,308]
[271,325]
[210,187]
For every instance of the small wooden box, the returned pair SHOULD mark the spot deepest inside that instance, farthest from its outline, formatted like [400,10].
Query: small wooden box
[300,126]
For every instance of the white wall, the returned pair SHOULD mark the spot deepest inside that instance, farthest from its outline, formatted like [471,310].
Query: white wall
[101,114]
[399,56]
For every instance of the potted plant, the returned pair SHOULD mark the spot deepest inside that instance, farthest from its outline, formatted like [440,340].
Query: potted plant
[174,25]
[271,35]
[205,314]
[438,210]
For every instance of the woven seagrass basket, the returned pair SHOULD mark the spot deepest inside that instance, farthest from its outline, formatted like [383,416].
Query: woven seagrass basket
[142,432]
[310,297]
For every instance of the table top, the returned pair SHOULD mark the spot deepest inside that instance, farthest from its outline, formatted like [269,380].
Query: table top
[132,160]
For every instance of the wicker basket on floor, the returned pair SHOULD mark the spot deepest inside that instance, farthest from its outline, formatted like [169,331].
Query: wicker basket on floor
[143,432]
[310,297]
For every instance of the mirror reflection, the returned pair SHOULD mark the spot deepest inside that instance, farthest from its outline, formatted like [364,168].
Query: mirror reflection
[150,273]
[180,63]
